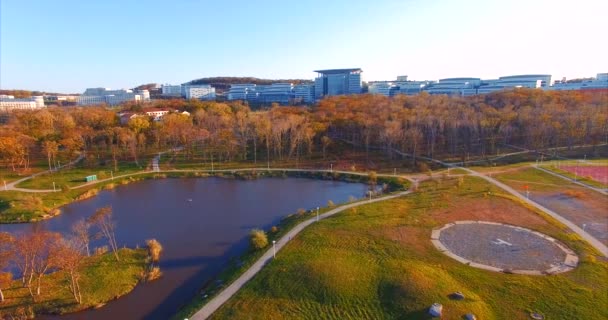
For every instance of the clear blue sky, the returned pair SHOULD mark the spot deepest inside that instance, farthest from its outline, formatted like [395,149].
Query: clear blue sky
[66,46]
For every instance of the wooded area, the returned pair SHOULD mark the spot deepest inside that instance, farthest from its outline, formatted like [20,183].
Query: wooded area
[433,126]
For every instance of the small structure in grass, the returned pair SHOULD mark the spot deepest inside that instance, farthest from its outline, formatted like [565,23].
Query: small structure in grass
[436,310]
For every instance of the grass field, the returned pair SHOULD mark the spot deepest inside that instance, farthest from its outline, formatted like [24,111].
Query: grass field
[377,262]
[103,279]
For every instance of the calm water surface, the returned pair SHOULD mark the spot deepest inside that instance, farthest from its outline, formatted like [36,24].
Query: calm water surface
[198,236]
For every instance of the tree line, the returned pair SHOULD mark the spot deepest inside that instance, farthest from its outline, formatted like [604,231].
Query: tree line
[436,126]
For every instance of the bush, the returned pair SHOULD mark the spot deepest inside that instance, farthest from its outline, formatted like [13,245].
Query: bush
[301,212]
[330,203]
[423,167]
[258,239]
[274,229]
[153,274]
[101,250]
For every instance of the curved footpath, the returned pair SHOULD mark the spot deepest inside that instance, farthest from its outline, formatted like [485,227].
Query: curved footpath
[228,292]
[11,186]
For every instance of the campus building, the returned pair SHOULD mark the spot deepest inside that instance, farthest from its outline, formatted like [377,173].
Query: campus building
[9,103]
[168,90]
[304,93]
[280,93]
[600,82]
[200,91]
[92,96]
[334,82]
[454,86]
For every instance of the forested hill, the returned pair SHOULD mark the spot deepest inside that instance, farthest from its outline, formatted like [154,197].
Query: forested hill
[223,83]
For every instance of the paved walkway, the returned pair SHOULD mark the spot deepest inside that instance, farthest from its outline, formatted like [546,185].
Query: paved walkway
[228,292]
[12,186]
[602,191]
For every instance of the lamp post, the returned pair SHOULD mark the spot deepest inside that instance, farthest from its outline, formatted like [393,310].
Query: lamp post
[54,186]
[317,214]
[274,249]
[5,188]
[331,167]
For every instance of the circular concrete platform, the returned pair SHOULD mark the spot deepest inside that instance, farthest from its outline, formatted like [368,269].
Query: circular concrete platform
[503,248]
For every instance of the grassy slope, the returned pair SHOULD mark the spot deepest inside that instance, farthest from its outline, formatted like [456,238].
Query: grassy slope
[103,279]
[347,267]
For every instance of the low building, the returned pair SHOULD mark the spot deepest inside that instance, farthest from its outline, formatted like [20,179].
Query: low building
[381,87]
[245,92]
[280,93]
[454,86]
[168,90]
[9,103]
[304,93]
[600,82]
[201,92]
[92,96]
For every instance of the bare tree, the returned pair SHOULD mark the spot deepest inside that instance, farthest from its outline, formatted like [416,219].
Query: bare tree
[6,253]
[102,218]
[80,229]
[34,256]
[69,258]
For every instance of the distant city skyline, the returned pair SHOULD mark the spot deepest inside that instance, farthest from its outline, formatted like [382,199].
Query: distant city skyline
[68,46]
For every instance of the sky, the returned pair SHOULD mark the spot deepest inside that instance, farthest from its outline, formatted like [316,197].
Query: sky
[66,46]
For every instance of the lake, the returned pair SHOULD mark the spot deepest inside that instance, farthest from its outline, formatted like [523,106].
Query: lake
[199,236]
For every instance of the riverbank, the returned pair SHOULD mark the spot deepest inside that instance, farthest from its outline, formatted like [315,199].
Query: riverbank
[237,266]
[103,279]
[377,261]
[22,207]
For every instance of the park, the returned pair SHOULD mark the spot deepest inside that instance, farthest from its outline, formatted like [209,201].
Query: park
[360,219]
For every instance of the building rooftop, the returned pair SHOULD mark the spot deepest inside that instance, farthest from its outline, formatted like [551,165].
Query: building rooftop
[334,71]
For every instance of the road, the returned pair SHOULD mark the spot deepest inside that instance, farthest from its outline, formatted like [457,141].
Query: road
[232,289]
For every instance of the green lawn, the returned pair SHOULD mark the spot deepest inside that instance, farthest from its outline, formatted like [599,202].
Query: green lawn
[377,262]
[76,176]
[103,279]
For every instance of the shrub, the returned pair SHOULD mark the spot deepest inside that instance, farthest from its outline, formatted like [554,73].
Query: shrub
[154,250]
[423,167]
[153,274]
[258,239]
[101,250]
[274,229]
[330,203]
[301,212]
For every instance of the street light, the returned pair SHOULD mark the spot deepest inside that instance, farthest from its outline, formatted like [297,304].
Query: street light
[274,249]
[331,167]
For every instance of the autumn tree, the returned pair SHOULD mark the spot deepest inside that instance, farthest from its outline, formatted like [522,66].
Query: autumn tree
[81,232]
[102,218]
[69,258]
[6,254]
[154,250]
